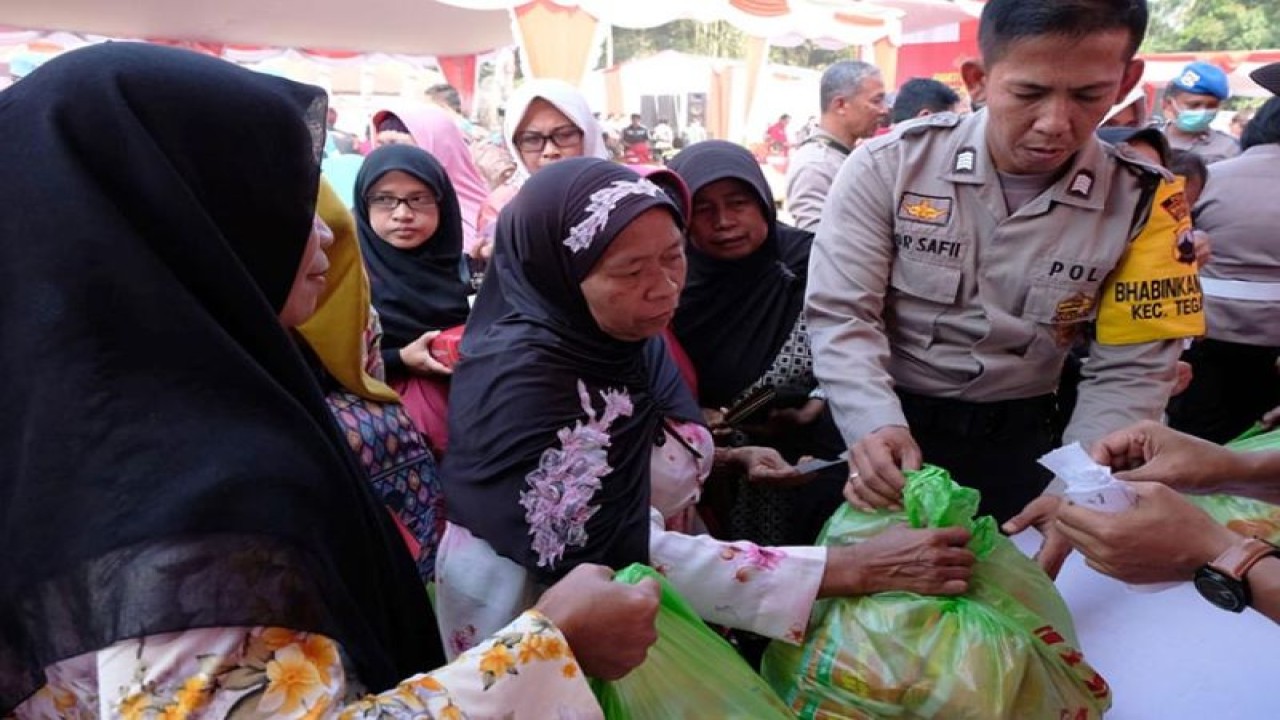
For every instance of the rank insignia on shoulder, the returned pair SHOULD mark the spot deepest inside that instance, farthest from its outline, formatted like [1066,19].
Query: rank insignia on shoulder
[1081,184]
[966,160]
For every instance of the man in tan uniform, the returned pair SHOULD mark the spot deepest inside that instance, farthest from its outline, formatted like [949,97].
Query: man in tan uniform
[853,106]
[959,258]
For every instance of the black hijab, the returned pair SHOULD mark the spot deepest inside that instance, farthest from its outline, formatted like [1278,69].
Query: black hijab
[170,462]
[414,290]
[552,421]
[734,316]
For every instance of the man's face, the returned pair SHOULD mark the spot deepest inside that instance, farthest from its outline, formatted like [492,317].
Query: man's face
[862,112]
[1047,94]
[1174,102]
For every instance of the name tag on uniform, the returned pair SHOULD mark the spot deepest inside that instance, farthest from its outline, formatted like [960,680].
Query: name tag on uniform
[1154,293]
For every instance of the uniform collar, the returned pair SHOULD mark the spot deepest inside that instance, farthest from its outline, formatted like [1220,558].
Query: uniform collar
[1085,184]
[820,132]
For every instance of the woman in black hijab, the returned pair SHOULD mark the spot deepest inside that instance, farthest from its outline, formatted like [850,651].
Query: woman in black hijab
[183,531]
[741,320]
[411,235]
[575,439]
[540,371]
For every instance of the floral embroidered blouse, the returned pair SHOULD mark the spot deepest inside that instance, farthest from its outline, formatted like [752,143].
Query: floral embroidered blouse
[525,671]
[766,590]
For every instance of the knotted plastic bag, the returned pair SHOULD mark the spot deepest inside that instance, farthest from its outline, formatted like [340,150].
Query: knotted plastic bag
[691,672]
[1005,649]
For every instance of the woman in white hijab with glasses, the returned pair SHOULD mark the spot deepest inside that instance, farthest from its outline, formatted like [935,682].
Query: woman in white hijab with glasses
[546,120]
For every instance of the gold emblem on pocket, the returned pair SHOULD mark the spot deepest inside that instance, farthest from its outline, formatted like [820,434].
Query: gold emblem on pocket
[1073,309]
[1067,318]
[925,209]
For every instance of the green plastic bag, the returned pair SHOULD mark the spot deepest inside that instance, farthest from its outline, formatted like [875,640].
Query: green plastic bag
[690,672]
[1005,649]
[1246,516]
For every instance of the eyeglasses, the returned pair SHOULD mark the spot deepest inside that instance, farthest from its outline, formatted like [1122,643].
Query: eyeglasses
[565,136]
[417,203]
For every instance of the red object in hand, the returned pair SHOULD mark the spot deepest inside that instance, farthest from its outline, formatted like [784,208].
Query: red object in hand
[446,347]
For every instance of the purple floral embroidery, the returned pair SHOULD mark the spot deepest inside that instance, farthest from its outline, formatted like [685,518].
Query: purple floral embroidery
[558,502]
[750,558]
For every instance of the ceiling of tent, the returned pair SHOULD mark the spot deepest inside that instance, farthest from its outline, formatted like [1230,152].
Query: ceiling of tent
[454,27]
[412,27]
[829,23]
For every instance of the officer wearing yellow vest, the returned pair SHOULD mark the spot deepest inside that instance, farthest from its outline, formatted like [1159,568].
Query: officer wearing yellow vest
[958,259]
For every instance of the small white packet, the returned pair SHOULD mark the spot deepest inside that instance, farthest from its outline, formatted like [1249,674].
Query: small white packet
[1087,482]
[1092,485]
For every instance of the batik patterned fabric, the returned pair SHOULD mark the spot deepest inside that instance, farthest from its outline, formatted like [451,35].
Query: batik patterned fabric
[792,366]
[762,513]
[400,467]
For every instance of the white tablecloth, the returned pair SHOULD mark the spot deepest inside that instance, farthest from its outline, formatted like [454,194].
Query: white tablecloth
[1171,655]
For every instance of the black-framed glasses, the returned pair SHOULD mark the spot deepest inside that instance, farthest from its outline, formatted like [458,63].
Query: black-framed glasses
[565,136]
[417,203]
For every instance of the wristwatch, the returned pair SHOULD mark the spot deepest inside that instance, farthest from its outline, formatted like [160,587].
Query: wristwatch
[1223,581]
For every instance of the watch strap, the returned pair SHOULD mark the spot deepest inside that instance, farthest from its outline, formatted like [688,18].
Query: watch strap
[1238,559]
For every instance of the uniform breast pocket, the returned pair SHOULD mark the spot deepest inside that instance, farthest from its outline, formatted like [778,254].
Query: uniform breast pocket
[1056,304]
[928,281]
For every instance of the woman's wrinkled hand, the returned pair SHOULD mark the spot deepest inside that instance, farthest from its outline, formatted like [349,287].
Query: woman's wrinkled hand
[930,561]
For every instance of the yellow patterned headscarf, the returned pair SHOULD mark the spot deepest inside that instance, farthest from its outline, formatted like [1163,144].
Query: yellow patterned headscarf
[339,330]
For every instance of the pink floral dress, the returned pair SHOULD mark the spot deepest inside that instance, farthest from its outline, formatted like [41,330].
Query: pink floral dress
[768,591]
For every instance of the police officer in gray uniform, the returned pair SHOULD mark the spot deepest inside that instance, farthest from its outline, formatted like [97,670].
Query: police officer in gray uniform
[1235,377]
[1191,103]
[959,258]
[853,106]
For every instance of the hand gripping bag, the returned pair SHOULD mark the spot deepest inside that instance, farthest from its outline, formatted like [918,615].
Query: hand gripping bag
[1005,649]
[691,672]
